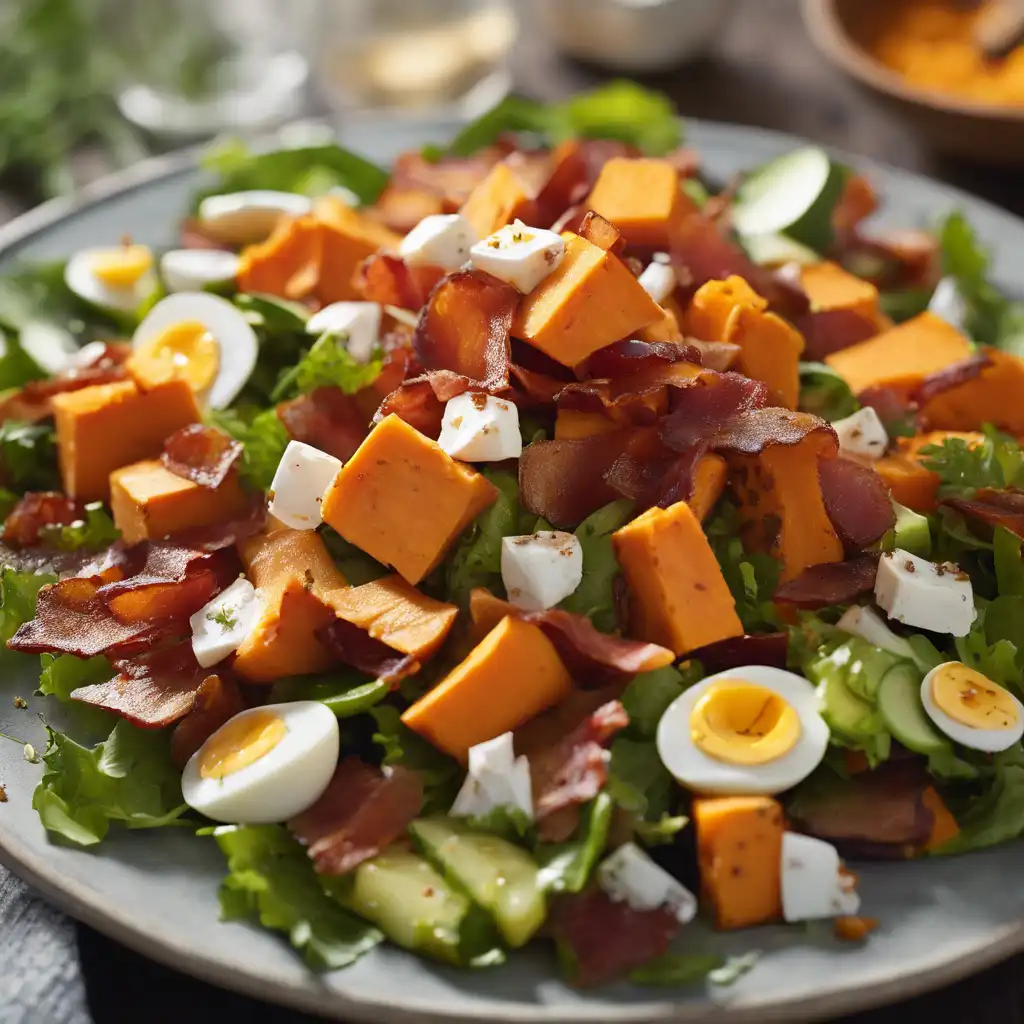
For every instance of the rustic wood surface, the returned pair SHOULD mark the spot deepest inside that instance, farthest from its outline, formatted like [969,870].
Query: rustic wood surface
[762,72]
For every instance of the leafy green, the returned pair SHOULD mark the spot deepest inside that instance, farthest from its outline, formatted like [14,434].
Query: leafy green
[28,456]
[1009,568]
[16,366]
[441,775]
[272,314]
[997,462]
[271,880]
[989,650]
[673,969]
[327,364]
[649,694]
[354,564]
[62,673]
[129,777]
[476,559]
[638,780]
[618,110]
[904,304]
[594,597]
[824,393]
[95,532]
[18,592]
[997,816]
[509,822]
[264,440]
[345,691]
[308,170]
[567,867]
[663,830]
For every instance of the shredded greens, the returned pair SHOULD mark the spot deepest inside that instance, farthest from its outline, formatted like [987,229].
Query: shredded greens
[264,440]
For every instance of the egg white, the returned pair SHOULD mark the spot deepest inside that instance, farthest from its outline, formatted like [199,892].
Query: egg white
[990,741]
[284,782]
[186,270]
[703,774]
[226,323]
[80,277]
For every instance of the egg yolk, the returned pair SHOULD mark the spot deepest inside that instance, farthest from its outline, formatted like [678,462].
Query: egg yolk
[240,743]
[740,723]
[186,351]
[121,268]
[972,699]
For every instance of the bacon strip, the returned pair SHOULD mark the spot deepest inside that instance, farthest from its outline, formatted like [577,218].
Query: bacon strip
[994,508]
[950,377]
[36,509]
[389,280]
[152,690]
[417,404]
[355,647]
[831,583]
[856,500]
[201,454]
[831,330]
[606,939]
[624,358]
[327,419]
[362,811]
[750,649]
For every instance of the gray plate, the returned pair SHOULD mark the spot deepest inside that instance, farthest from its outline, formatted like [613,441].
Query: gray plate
[156,892]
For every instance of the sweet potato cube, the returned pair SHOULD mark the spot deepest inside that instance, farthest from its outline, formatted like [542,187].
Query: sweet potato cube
[395,613]
[349,238]
[714,304]
[780,503]
[571,424]
[294,572]
[902,357]
[512,675]
[995,396]
[708,484]
[665,329]
[642,198]
[944,825]
[770,351]
[739,852]
[680,599]
[150,502]
[830,287]
[403,500]
[104,427]
[591,300]
[497,200]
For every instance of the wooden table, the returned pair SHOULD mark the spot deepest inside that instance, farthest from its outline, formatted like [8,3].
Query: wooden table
[763,72]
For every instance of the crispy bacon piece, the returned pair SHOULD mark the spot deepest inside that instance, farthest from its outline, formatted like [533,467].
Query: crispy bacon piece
[856,203]
[34,510]
[217,536]
[355,647]
[831,583]
[602,233]
[152,690]
[201,454]
[879,814]
[451,178]
[624,358]
[417,404]
[362,811]
[466,326]
[750,649]
[532,387]
[606,939]
[216,700]
[994,508]
[758,429]
[703,410]
[890,405]
[856,500]
[593,658]
[389,280]
[950,377]
[327,419]
[831,330]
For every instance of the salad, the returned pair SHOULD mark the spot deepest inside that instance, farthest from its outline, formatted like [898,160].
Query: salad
[535,542]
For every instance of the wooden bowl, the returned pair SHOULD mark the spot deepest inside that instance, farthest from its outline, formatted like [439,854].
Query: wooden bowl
[980,132]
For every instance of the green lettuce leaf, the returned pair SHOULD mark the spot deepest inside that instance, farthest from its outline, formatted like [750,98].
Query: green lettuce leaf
[996,463]
[354,564]
[271,314]
[264,440]
[567,867]
[997,816]
[990,652]
[904,304]
[594,598]
[18,592]
[824,393]
[28,456]
[62,673]
[327,364]
[510,823]
[129,778]
[674,969]
[272,881]
[95,532]
[649,694]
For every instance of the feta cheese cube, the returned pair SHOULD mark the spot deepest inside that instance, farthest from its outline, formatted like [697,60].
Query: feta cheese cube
[520,255]
[541,569]
[358,321]
[478,427]
[629,875]
[920,593]
[948,303]
[440,240]
[861,435]
[496,778]
[302,476]
[814,885]
[221,626]
[658,280]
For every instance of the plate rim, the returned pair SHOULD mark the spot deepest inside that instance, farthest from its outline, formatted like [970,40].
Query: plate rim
[94,911]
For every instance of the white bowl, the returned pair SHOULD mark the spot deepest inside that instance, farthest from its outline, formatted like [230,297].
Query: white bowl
[633,35]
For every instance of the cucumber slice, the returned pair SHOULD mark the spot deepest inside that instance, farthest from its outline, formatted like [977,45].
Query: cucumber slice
[777,250]
[500,877]
[845,713]
[417,909]
[794,194]
[899,702]
[912,531]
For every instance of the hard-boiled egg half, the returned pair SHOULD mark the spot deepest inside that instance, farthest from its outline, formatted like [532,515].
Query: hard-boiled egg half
[241,218]
[750,730]
[197,337]
[971,709]
[188,270]
[118,277]
[264,765]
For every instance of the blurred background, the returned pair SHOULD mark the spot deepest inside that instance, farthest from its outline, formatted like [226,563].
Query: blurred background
[87,86]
